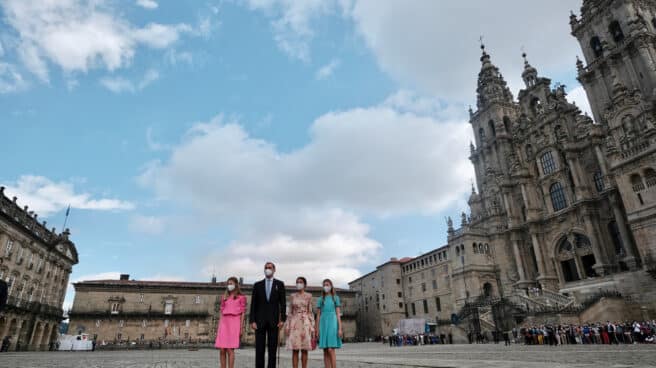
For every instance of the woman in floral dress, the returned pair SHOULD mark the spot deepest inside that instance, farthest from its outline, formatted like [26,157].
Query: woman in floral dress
[300,324]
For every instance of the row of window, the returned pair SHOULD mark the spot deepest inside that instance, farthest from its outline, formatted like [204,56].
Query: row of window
[426,261]
[144,323]
[26,292]
[639,184]
[492,129]
[424,303]
[33,259]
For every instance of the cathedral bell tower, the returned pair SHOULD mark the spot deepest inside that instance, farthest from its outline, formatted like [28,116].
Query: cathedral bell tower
[493,154]
[618,40]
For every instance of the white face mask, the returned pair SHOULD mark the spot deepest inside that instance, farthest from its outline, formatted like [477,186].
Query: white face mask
[327,288]
[231,287]
[300,286]
[268,272]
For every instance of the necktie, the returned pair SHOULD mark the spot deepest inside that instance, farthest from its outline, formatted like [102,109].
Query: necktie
[268,289]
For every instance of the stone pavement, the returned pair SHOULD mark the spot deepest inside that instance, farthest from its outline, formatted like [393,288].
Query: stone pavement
[359,356]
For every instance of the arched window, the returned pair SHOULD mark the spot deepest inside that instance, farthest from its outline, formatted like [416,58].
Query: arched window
[558,200]
[474,248]
[490,124]
[636,182]
[457,251]
[487,290]
[650,177]
[481,134]
[536,106]
[480,248]
[548,164]
[616,31]
[595,45]
[529,151]
[487,248]
[506,124]
[598,181]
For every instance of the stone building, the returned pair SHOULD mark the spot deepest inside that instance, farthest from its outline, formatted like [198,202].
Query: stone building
[165,311]
[36,263]
[566,206]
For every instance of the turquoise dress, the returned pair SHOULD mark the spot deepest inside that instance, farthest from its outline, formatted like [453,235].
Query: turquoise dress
[328,326]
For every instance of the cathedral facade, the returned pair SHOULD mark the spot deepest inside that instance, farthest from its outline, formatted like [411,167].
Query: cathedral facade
[566,203]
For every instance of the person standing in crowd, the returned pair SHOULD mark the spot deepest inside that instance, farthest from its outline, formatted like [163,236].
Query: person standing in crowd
[230,330]
[299,327]
[329,326]
[268,313]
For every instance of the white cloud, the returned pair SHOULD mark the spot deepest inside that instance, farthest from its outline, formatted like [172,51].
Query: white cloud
[147,4]
[336,256]
[290,22]
[121,84]
[433,45]
[149,225]
[46,197]
[580,98]
[10,79]
[78,35]
[159,36]
[305,207]
[327,70]
[174,57]
[111,275]
[153,145]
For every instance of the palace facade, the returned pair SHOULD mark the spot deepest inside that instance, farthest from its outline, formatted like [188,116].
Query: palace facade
[566,205]
[118,311]
[36,264]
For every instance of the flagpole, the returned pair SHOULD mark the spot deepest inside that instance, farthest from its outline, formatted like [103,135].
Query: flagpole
[68,211]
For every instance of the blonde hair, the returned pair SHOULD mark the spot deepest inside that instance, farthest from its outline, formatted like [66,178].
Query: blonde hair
[237,289]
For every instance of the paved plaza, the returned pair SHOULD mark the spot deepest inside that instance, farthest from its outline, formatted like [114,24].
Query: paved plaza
[360,356]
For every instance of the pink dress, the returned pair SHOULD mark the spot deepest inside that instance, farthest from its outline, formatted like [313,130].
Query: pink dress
[227,335]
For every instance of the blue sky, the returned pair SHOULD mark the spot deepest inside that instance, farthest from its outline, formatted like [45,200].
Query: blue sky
[192,137]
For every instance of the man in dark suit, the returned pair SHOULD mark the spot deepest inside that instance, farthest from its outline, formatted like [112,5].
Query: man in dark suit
[3,292]
[268,313]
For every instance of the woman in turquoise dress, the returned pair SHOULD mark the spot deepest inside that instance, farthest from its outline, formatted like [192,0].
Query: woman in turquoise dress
[329,324]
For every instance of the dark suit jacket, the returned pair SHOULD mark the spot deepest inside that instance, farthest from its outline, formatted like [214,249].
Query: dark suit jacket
[3,294]
[271,311]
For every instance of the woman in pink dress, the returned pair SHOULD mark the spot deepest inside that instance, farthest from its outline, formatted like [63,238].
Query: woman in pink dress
[228,335]
[299,328]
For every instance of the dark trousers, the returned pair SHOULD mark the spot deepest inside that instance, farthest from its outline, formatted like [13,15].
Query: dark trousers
[266,335]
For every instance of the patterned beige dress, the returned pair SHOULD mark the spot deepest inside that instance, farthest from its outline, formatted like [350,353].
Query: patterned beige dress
[300,322]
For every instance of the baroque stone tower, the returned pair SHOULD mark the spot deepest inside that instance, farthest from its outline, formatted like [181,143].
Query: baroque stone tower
[618,40]
[565,203]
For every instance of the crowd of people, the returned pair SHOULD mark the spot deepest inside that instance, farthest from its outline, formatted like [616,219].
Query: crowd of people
[590,333]
[636,332]
[420,339]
